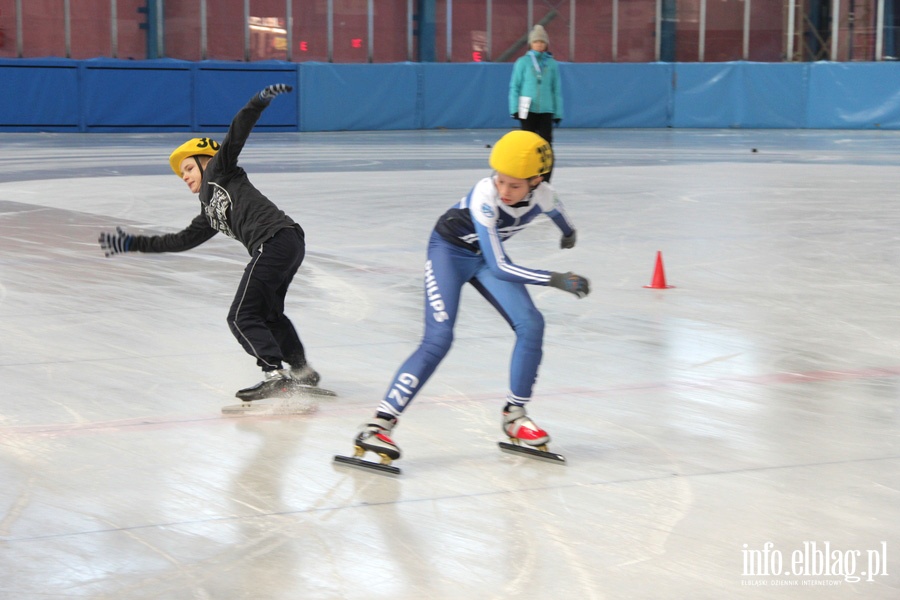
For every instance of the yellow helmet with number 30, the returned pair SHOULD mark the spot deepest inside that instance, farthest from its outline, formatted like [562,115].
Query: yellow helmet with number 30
[522,154]
[192,147]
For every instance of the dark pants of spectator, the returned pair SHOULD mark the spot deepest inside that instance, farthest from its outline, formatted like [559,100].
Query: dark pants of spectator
[541,124]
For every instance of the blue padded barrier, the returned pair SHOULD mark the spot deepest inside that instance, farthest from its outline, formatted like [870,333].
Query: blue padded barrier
[466,95]
[616,95]
[358,97]
[173,95]
[221,88]
[136,96]
[39,95]
[740,95]
[854,95]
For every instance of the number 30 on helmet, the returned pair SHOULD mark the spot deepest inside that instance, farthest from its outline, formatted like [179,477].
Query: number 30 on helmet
[193,147]
[522,154]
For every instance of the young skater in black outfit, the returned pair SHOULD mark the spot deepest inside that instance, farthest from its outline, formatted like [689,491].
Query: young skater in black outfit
[230,204]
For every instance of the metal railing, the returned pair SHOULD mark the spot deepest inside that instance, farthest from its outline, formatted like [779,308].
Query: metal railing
[434,30]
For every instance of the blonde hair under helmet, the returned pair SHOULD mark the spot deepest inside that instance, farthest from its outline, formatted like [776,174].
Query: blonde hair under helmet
[192,147]
[522,154]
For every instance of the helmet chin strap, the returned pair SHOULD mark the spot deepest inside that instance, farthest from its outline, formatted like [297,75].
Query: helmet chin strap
[199,166]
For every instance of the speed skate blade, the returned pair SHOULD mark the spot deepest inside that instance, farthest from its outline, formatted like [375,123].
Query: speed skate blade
[290,390]
[532,452]
[311,390]
[243,408]
[282,406]
[366,464]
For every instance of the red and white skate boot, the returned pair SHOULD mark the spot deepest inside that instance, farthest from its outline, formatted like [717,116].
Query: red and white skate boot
[521,429]
[374,436]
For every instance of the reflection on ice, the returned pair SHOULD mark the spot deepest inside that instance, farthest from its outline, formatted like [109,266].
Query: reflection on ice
[756,401]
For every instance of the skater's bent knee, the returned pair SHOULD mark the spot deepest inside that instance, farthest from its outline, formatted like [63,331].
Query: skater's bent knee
[531,325]
[437,347]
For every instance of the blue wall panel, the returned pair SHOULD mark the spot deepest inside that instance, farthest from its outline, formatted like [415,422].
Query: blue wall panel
[466,95]
[749,95]
[221,89]
[172,95]
[146,95]
[704,95]
[774,95]
[39,95]
[616,95]
[854,95]
[355,97]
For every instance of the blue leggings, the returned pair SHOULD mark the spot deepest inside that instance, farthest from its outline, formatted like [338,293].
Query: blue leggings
[447,269]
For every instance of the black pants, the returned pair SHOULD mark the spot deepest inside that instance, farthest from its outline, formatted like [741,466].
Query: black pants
[541,124]
[256,317]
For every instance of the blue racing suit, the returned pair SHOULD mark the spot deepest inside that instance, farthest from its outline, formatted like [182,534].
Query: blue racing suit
[466,247]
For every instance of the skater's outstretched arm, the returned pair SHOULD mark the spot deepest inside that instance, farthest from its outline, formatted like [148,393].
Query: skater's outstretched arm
[504,269]
[500,264]
[243,123]
[568,282]
[557,213]
[115,243]
[485,215]
[191,236]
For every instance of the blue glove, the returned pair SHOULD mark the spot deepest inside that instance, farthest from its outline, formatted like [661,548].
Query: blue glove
[114,243]
[572,283]
[271,91]
[567,241]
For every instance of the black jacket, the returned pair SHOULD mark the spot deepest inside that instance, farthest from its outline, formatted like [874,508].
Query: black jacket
[228,201]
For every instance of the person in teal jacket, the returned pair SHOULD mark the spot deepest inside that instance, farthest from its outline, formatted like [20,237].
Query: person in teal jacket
[535,93]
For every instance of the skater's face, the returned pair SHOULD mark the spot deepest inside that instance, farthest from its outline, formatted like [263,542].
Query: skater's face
[513,190]
[191,173]
[539,46]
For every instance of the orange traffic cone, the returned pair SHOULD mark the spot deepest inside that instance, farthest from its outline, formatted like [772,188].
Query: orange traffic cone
[659,275]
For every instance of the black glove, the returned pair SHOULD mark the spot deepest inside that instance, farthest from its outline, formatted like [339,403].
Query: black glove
[271,91]
[572,283]
[567,241]
[515,116]
[557,122]
[113,243]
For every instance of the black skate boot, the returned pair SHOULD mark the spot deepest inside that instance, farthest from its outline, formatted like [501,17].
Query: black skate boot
[305,375]
[277,384]
[374,436]
[520,429]
[306,382]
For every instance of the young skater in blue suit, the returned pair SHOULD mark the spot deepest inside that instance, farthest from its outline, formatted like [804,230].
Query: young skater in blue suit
[466,246]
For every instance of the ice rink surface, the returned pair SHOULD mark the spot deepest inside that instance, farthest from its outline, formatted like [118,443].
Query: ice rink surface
[735,436]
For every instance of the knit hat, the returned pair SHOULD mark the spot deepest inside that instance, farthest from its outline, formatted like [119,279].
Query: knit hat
[538,34]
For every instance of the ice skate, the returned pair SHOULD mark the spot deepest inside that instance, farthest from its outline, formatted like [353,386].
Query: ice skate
[525,437]
[374,436]
[306,381]
[305,375]
[277,384]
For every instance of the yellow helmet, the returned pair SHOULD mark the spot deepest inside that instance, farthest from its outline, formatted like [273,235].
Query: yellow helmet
[192,147]
[522,154]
